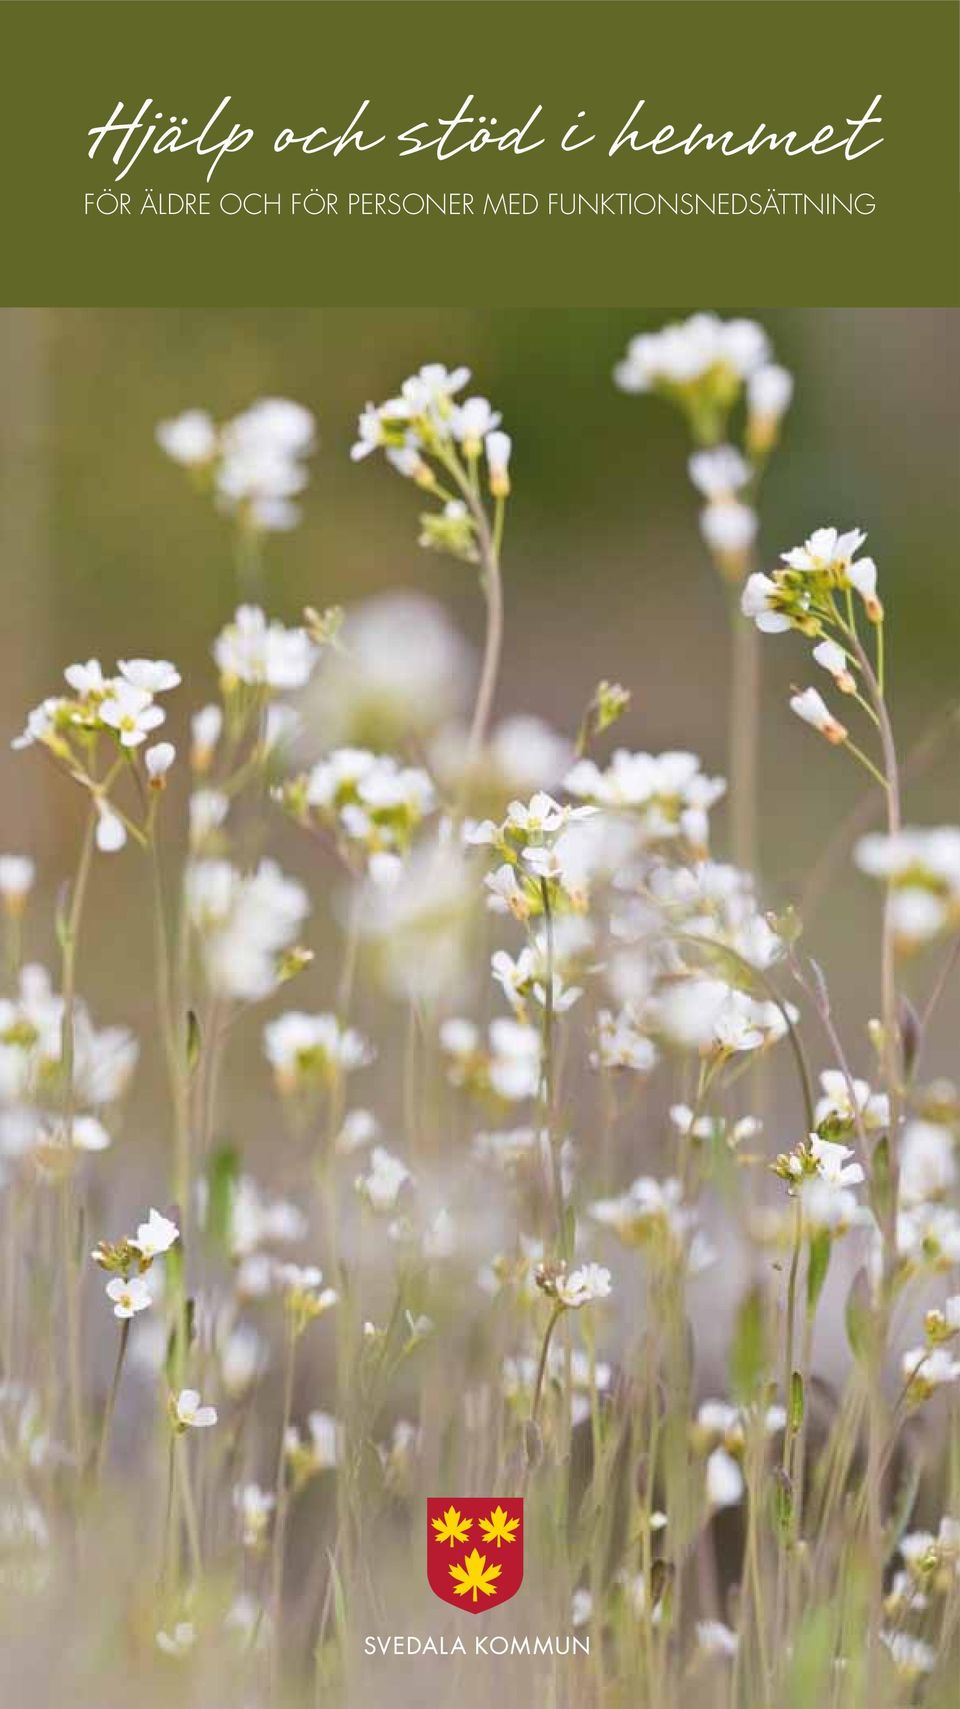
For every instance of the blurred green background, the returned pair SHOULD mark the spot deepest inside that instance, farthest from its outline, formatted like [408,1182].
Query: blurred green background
[106,550]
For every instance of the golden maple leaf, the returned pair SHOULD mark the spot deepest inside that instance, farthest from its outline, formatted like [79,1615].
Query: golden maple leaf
[499,1528]
[451,1528]
[475,1575]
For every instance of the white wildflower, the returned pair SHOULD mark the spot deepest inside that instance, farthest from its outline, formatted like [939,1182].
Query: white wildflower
[725,1485]
[381,1187]
[130,712]
[155,1236]
[190,1415]
[129,1295]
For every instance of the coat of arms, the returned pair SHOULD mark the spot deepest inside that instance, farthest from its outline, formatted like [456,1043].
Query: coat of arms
[475,1549]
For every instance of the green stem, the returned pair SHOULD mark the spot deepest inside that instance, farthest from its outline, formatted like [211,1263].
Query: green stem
[70,1255]
[112,1398]
[555,1317]
[489,543]
[189,1508]
[547,1093]
[744,737]
[282,1506]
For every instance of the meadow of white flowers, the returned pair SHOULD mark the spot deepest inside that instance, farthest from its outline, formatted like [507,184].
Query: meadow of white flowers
[219,1422]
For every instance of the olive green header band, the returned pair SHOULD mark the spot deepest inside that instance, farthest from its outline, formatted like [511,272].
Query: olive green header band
[568,153]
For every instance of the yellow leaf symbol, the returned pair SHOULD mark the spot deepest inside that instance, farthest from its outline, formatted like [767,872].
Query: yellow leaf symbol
[475,1575]
[499,1528]
[451,1528]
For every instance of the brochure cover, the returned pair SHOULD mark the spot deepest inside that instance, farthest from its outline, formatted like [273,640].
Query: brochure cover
[480,854]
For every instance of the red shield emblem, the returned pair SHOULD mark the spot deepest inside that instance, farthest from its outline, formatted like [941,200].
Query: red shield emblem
[475,1549]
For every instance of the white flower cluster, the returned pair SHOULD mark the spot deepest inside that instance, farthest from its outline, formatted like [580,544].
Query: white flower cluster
[313,1050]
[721,1431]
[253,463]
[845,1104]
[129,1260]
[424,416]
[802,595]
[433,440]
[532,852]
[525,976]
[700,351]
[931,1568]
[122,708]
[246,925]
[683,933]
[507,1064]
[932,1366]
[928,1225]
[727,522]
[381,1186]
[701,1013]
[705,365]
[372,805]
[798,595]
[255,1223]
[321,1451]
[922,868]
[262,654]
[652,1211]
[32,1121]
[573,1289]
[667,794]
[419,922]
[826,1195]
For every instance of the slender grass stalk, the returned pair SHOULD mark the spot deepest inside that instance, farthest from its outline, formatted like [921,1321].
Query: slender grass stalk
[282,1497]
[166,1551]
[552,1322]
[744,737]
[110,1407]
[190,1518]
[489,542]
[69,1244]
[548,1089]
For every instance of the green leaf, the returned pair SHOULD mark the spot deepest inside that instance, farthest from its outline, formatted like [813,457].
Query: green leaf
[782,1501]
[176,1356]
[194,1040]
[811,1659]
[748,1353]
[818,1264]
[222,1175]
[880,1184]
[858,1316]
